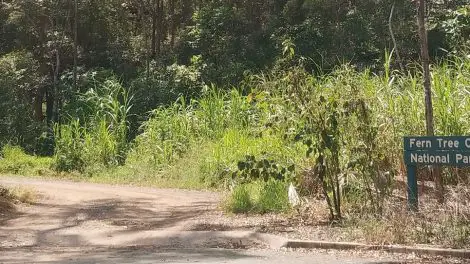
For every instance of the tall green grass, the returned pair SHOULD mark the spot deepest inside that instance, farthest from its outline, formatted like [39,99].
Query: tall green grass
[235,145]
[100,140]
[258,197]
[166,136]
[355,120]
[202,140]
[172,131]
[217,130]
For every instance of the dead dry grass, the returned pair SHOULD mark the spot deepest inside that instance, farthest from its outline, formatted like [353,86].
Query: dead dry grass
[441,225]
[24,195]
[19,195]
[444,225]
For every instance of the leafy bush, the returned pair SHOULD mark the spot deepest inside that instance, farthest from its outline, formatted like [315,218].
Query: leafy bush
[228,42]
[222,164]
[456,25]
[251,169]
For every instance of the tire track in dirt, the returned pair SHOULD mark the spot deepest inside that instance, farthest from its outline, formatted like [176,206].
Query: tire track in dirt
[83,214]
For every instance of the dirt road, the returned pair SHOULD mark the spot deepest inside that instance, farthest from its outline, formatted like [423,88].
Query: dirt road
[92,223]
[84,214]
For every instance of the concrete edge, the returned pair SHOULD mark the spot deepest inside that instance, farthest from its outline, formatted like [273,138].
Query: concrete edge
[458,253]
[273,241]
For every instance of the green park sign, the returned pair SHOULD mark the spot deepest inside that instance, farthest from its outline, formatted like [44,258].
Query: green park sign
[439,151]
[452,151]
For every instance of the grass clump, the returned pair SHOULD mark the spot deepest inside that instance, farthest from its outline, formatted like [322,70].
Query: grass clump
[240,199]
[272,197]
[258,197]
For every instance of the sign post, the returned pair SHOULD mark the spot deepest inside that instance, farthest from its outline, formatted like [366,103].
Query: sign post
[440,151]
[412,181]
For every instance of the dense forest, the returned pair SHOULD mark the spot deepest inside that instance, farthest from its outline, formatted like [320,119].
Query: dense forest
[52,52]
[247,95]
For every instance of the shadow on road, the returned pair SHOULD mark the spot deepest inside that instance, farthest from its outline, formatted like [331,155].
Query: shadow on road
[138,255]
[65,223]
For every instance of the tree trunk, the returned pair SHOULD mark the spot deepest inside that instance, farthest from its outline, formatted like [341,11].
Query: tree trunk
[421,6]
[392,35]
[186,12]
[43,69]
[56,87]
[160,35]
[37,104]
[50,105]
[75,45]
[173,23]
[153,47]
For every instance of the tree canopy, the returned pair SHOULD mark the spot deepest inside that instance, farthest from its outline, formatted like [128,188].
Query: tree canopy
[52,51]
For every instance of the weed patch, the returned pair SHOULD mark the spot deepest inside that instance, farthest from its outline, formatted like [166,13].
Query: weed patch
[444,225]
[24,195]
[258,197]
[241,199]
[15,161]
